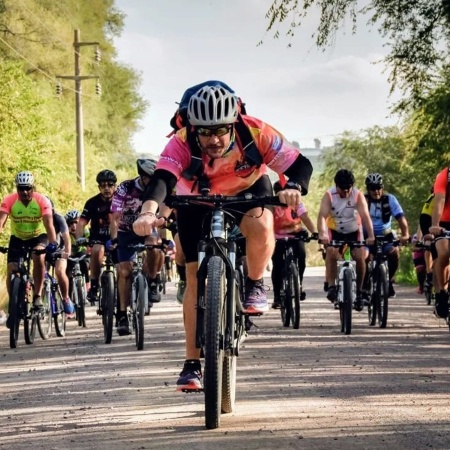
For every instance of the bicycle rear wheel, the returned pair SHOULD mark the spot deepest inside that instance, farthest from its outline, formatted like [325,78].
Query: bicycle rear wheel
[45,320]
[107,301]
[15,311]
[214,332]
[30,317]
[285,298]
[59,317]
[163,278]
[346,306]
[294,290]
[383,295]
[139,312]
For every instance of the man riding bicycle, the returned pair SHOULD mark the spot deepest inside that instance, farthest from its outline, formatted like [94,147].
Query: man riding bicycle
[342,210]
[32,227]
[97,212]
[125,208]
[213,116]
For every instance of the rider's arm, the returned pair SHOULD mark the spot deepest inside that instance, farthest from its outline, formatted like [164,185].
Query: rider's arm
[79,232]
[114,224]
[363,211]
[308,223]
[438,208]
[403,224]
[49,228]
[324,212]
[67,243]
[3,217]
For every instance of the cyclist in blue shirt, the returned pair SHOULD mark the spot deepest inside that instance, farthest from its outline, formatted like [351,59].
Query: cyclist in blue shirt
[382,208]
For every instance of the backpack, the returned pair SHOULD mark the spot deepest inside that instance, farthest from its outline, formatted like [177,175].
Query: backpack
[179,120]
[385,207]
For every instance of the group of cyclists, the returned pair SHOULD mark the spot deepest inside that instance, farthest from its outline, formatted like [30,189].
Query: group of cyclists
[215,148]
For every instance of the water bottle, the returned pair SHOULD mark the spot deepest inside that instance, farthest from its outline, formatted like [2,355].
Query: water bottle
[217,224]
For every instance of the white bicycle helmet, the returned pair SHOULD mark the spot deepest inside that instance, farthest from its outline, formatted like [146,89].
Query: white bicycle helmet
[374,179]
[72,215]
[212,106]
[24,178]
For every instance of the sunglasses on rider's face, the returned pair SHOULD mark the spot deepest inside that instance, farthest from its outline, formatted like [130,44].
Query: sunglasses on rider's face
[375,187]
[106,184]
[346,187]
[72,223]
[219,131]
[24,188]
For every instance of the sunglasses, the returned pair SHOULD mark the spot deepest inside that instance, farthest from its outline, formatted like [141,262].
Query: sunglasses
[107,184]
[24,188]
[72,223]
[219,131]
[345,188]
[375,187]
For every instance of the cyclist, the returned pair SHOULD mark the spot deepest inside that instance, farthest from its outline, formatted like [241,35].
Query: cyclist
[31,227]
[382,207]
[342,209]
[288,223]
[430,250]
[440,222]
[97,212]
[211,132]
[125,208]
[72,217]
[65,247]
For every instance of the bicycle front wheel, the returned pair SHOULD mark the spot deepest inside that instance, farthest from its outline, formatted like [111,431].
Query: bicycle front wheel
[15,311]
[45,318]
[107,302]
[294,290]
[347,305]
[59,316]
[139,312]
[383,295]
[30,317]
[214,333]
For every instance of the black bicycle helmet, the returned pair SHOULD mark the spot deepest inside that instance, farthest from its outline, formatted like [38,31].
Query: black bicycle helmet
[344,179]
[106,175]
[146,167]
[374,179]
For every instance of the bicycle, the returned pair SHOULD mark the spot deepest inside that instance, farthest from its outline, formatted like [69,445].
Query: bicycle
[220,318]
[291,292]
[21,298]
[445,235]
[52,301]
[78,289]
[428,286]
[346,282]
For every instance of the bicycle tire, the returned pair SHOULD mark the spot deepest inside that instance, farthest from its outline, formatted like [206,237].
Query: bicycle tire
[383,295]
[59,317]
[346,306]
[285,297]
[294,283]
[45,319]
[75,301]
[429,294]
[81,293]
[214,332]
[163,278]
[15,312]
[139,312]
[107,302]
[30,317]
[230,358]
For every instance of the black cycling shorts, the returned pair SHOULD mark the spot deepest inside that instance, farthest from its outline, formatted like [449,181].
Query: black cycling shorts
[190,218]
[16,245]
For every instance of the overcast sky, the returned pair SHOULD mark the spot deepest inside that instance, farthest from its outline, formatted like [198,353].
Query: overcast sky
[303,92]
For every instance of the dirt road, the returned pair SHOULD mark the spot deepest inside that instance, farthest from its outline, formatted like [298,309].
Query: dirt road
[312,388]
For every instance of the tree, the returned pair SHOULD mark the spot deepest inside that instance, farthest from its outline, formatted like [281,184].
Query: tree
[417,32]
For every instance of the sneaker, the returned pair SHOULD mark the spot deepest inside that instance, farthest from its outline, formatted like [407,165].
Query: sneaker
[420,290]
[68,306]
[358,305]
[123,328]
[153,292]
[190,379]
[441,306]
[332,294]
[325,286]
[92,295]
[276,303]
[392,293]
[180,291]
[37,302]
[302,295]
[255,297]
[365,298]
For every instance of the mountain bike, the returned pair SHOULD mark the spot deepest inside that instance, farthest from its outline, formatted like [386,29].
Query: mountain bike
[378,282]
[220,318]
[78,289]
[53,302]
[291,292]
[21,299]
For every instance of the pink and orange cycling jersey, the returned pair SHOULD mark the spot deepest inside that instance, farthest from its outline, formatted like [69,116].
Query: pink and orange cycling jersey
[440,187]
[286,223]
[26,221]
[230,174]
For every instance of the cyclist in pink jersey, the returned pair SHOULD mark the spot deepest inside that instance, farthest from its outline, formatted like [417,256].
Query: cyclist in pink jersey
[213,117]
[289,223]
[343,211]
[31,218]
[440,221]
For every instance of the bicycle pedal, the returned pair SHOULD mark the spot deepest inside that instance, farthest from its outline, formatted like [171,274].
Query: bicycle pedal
[191,391]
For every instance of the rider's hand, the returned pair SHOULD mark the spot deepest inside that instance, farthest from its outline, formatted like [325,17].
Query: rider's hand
[144,224]
[404,240]
[292,197]
[52,247]
[111,244]
[436,231]
[314,236]
[370,241]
